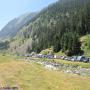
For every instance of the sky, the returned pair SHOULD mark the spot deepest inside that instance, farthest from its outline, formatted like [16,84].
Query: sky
[10,9]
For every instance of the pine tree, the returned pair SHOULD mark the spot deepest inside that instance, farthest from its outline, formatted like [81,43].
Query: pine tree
[76,45]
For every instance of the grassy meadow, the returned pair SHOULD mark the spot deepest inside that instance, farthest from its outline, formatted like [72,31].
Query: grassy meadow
[32,76]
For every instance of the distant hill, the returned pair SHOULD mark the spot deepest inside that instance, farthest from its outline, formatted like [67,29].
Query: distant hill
[11,29]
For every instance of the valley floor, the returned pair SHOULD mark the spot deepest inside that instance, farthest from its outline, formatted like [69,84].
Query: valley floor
[32,76]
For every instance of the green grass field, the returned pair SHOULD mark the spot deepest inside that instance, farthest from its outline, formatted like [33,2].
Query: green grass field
[32,76]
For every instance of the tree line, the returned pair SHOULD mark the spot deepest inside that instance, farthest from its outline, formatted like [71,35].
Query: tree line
[61,25]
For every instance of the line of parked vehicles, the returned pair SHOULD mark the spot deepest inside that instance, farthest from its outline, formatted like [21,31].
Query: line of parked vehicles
[76,59]
[72,58]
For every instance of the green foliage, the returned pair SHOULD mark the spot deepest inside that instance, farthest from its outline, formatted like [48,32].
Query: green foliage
[85,40]
[61,26]
[4,45]
[47,51]
[71,44]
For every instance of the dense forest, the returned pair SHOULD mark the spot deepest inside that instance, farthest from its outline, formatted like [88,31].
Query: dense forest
[60,25]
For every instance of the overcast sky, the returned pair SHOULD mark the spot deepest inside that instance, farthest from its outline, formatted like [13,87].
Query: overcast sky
[9,9]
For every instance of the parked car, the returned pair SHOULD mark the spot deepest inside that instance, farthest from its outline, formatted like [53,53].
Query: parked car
[80,58]
[89,60]
[86,60]
[73,58]
[50,56]
[66,58]
[57,57]
[63,57]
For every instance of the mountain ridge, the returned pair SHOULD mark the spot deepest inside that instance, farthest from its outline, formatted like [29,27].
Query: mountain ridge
[12,27]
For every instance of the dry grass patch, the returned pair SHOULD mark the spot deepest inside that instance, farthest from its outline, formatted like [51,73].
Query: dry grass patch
[31,76]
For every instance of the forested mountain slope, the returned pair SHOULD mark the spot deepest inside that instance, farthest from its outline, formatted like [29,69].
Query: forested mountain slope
[60,26]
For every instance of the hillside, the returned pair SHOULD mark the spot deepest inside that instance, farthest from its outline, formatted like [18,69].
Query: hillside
[85,40]
[63,23]
[60,25]
[11,29]
[61,20]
